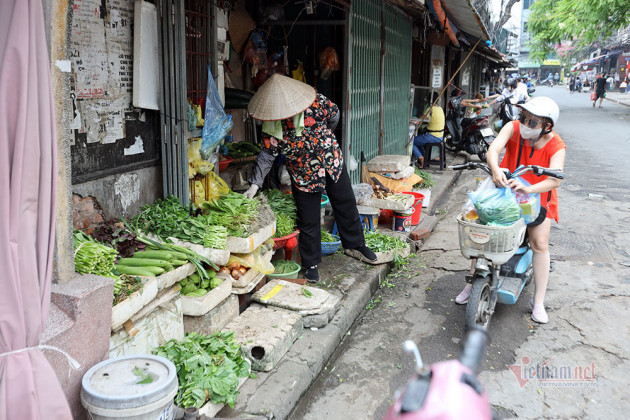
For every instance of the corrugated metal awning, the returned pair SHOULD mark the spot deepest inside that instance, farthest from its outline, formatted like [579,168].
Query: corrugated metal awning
[465,17]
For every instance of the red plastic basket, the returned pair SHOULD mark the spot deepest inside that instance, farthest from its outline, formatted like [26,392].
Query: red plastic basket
[281,242]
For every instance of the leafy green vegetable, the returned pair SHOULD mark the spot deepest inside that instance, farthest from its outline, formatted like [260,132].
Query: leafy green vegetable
[306,292]
[327,237]
[235,212]
[427,180]
[283,206]
[168,217]
[379,242]
[496,206]
[144,377]
[284,266]
[208,368]
[92,257]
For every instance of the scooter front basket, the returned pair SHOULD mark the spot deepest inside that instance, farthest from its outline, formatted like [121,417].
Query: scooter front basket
[494,243]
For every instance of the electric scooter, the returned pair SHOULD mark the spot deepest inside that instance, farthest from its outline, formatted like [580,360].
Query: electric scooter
[448,389]
[504,258]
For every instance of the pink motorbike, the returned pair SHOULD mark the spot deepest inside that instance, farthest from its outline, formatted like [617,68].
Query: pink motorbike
[448,389]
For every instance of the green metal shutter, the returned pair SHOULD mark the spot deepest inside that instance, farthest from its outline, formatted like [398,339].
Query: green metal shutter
[364,76]
[397,81]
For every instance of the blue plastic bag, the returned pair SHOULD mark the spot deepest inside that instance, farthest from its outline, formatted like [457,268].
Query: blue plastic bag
[216,124]
[528,203]
[496,206]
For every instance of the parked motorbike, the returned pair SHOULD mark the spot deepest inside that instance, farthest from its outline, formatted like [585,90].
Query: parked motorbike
[448,389]
[507,112]
[504,258]
[471,135]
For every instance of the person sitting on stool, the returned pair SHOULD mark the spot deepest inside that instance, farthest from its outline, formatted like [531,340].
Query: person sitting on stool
[434,132]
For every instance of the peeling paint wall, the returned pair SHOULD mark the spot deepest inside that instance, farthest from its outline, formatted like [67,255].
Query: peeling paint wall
[109,137]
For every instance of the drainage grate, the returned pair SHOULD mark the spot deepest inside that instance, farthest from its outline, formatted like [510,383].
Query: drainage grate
[568,246]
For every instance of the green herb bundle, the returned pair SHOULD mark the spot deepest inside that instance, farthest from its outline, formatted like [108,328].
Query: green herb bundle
[283,266]
[235,212]
[208,368]
[92,257]
[169,217]
[327,237]
[283,206]
[379,242]
[124,286]
[427,181]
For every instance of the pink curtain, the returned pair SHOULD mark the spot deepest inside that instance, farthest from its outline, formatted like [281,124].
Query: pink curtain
[29,388]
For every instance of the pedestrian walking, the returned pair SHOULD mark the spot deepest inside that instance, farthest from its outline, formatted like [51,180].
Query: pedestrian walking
[600,90]
[298,122]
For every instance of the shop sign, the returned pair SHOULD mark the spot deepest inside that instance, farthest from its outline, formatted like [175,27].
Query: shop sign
[552,63]
[437,78]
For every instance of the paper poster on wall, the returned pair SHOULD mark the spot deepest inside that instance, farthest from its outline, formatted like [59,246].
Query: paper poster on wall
[437,78]
[102,66]
[466,77]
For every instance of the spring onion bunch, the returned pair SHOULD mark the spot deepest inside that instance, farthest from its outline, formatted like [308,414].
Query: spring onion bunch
[92,257]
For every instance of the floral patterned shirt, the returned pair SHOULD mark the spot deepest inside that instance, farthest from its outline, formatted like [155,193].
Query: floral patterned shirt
[314,153]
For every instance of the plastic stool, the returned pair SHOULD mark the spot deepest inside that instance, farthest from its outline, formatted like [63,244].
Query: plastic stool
[428,148]
[367,222]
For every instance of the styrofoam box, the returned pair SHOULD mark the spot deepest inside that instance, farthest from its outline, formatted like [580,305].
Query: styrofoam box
[246,245]
[164,323]
[248,287]
[383,203]
[130,306]
[243,281]
[389,163]
[169,278]
[197,306]
[381,257]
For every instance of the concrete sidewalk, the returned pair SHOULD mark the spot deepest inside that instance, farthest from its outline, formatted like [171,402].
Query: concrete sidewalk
[618,97]
[276,393]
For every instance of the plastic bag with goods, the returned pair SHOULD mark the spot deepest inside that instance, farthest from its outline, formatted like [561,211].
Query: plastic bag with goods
[255,259]
[496,206]
[216,124]
[528,203]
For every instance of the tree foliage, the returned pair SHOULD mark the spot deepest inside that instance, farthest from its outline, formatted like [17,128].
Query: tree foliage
[581,21]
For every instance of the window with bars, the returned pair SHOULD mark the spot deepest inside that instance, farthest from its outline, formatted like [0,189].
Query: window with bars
[197,38]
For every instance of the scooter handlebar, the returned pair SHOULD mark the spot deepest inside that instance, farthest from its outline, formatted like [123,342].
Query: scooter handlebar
[474,349]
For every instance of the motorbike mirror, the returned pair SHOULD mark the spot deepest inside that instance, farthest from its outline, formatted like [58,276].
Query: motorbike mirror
[410,347]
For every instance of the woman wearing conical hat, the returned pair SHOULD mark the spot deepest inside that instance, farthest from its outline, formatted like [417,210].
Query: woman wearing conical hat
[298,122]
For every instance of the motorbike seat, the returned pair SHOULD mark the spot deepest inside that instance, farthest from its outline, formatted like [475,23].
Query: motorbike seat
[467,121]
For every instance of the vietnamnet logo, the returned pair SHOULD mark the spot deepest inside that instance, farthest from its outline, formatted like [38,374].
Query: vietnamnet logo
[548,374]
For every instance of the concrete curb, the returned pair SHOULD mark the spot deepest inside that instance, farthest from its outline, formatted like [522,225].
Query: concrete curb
[275,394]
[618,102]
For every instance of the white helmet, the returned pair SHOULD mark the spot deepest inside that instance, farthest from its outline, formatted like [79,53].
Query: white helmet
[541,106]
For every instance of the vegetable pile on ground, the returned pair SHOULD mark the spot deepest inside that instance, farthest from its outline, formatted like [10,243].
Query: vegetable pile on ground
[283,206]
[235,212]
[208,368]
[93,257]
[284,266]
[125,286]
[169,217]
[234,269]
[427,181]
[242,149]
[327,237]
[379,242]
[194,286]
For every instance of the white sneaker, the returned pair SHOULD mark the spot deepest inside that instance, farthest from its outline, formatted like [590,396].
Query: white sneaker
[539,314]
[463,296]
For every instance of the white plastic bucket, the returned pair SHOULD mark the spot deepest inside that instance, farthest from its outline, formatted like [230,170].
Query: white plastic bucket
[110,389]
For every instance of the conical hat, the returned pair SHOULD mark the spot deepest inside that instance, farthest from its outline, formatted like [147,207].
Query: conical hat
[280,97]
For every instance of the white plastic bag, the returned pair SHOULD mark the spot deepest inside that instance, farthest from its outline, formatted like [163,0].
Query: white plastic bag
[353,165]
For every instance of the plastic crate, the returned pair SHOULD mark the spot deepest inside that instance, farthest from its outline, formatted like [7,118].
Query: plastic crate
[329,248]
[494,243]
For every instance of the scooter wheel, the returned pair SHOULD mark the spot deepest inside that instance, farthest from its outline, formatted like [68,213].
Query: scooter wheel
[448,143]
[479,307]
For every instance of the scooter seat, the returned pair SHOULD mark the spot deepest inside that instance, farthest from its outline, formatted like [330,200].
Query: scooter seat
[467,121]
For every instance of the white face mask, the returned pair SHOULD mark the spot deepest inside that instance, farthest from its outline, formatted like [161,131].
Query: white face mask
[530,133]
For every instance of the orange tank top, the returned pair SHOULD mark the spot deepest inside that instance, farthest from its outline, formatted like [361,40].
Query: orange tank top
[540,157]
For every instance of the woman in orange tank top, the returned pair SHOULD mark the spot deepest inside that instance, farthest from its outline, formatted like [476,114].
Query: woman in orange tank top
[531,141]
